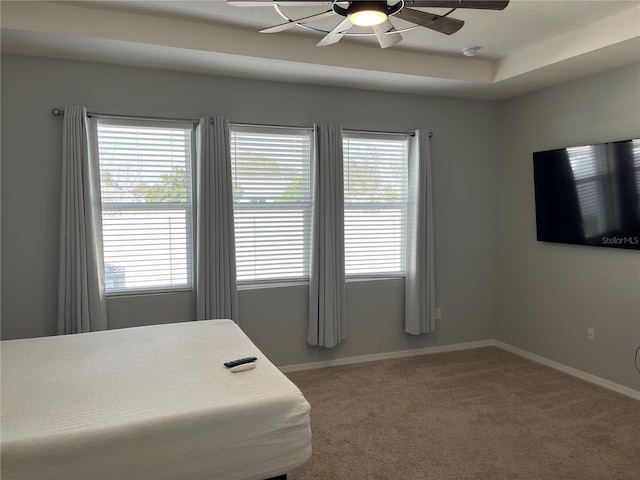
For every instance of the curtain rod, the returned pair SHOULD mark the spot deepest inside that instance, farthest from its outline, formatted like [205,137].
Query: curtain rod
[411,134]
[57,112]
[344,130]
[60,113]
[240,124]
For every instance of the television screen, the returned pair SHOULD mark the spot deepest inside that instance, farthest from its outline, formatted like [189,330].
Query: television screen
[589,195]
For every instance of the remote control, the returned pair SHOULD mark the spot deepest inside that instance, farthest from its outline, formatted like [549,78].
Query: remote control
[240,361]
[242,367]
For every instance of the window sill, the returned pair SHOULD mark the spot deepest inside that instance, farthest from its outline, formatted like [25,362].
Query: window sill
[374,279]
[276,284]
[256,286]
[250,286]
[144,293]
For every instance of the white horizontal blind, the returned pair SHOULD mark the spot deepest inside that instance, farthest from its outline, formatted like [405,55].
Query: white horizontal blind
[146,185]
[591,173]
[375,202]
[636,161]
[272,202]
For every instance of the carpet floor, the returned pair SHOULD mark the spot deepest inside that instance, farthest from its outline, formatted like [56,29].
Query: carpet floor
[473,414]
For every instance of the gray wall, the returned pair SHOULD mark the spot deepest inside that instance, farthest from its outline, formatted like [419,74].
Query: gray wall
[464,149]
[548,294]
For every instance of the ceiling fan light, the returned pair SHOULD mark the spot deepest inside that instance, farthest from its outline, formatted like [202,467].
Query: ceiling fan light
[367,14]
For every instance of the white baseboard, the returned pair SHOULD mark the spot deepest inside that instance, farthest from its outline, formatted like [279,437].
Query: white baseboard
[616,387]
[385,356]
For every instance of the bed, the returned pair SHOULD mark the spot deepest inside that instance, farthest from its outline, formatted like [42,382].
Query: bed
[150,402]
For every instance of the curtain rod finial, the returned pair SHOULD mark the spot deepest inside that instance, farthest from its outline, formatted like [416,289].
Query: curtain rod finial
[57,112]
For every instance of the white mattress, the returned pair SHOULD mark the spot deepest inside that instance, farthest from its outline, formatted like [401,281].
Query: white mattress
[148,403]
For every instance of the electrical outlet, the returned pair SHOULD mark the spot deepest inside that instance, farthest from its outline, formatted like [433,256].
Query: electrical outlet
[438,313]
[591,334]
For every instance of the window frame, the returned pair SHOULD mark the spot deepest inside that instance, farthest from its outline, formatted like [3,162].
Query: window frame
[190,209]
[307,209]
[363,135]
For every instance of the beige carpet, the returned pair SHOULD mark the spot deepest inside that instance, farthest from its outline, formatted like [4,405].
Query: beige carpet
[474,414]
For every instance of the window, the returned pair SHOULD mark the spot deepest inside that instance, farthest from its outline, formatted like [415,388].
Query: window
[375,203]
[272,202]
[145,183]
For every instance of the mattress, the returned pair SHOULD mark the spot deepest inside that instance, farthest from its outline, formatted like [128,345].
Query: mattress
[149,402]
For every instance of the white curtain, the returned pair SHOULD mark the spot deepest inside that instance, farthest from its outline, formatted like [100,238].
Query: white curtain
[420,289]
[81,294]
[216,289]
[327,308]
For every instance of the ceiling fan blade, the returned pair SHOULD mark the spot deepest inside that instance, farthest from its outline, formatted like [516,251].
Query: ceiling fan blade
[440,24]
[334,35]
[301,21]
[475,4]
[270,3]
[385,39]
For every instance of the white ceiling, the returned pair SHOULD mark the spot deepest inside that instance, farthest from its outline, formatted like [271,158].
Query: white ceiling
[529,45]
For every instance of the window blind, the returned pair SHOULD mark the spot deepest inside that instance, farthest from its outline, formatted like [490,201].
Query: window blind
[146,185]
[636,160]
[272,202]
[375,201]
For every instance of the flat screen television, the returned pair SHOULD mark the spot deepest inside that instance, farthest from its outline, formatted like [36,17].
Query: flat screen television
[589,195]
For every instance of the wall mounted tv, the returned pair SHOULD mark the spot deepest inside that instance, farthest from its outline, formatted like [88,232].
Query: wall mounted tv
[589,195]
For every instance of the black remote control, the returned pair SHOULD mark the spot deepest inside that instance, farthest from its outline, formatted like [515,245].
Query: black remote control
[240,361]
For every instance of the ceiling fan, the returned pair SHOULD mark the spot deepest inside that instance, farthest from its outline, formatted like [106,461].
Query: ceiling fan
[375,14]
